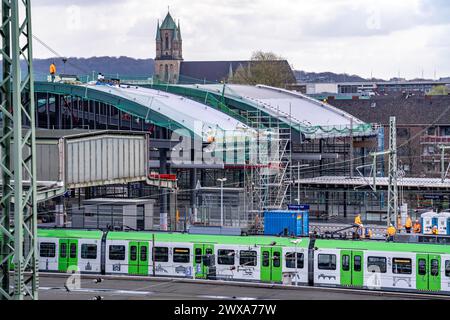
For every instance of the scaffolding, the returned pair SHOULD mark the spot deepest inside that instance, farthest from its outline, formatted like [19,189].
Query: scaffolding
[268,177]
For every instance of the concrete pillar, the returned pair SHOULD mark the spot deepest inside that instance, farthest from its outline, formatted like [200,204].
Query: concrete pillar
[163,197]
[149,212]
[172,210]
[193,185]
[130,216]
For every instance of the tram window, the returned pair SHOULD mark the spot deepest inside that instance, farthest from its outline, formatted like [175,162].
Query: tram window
[276,259]
[143,253]
[198,255]
[434,268]
[182,255]
[290,260]
[376,264]
[133,253]
[63,250]
[248,258]
[266,259]
[357,263]
[346,262]
[47,250]
[422,267]
[300,260]
[161,254]
[401,266]
[327,262]
[447,268]
[117,253]
[89,251]
[73,250]
[226,257]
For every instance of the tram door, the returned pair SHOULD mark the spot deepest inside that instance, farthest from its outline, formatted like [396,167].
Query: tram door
[271,264]
[352,269]
[428,271]
[138,258]
[68,255]
[203,259]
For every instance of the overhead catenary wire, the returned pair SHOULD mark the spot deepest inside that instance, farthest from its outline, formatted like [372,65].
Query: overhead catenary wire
[58,55]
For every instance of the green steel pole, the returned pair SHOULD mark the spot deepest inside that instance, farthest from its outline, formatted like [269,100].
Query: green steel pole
[5,204]
[32,221]
[19,281]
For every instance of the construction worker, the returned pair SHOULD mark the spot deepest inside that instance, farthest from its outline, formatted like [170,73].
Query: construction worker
[408,225]
[417,227]
[358,227]
[434,231]
[368,233]
[391,232]
[53,71]
[358,220]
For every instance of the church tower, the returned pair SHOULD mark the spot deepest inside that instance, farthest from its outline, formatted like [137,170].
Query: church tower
[169,50]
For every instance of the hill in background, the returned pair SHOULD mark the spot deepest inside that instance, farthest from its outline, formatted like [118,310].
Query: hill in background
[124,66]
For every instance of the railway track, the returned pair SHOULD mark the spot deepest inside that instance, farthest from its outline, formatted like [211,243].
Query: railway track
[141,287]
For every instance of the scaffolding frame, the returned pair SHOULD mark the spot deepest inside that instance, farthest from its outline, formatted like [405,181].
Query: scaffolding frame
[268,178]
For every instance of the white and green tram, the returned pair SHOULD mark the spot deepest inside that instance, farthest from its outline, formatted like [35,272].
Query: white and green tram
[336,263]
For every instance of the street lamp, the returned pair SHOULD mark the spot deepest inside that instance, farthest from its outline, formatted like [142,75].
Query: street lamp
[296,242]
[221,199]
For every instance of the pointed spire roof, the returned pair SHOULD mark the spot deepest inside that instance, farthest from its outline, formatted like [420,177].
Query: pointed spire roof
[168,23]
[176,36]
[230,72]
[158,32]
[179,31]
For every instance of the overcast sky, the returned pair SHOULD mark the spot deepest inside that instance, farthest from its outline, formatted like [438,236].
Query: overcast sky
[380,37]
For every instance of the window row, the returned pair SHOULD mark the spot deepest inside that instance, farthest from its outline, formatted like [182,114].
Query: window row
[379,265]
[48,250]
[224,257]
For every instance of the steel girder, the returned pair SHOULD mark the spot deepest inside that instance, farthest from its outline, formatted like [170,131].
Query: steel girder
[18,163]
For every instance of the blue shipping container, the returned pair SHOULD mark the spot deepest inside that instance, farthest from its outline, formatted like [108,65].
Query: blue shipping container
[286,223]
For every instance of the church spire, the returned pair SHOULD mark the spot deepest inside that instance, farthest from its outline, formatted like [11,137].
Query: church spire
[179,31]
[158,32]
[168,23]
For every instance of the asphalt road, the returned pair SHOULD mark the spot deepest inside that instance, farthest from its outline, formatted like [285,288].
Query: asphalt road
[53,288]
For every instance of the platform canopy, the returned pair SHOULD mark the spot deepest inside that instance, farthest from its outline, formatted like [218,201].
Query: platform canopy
[380,182]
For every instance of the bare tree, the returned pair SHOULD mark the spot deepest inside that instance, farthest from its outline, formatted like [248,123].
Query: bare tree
[440,91]
[264,68]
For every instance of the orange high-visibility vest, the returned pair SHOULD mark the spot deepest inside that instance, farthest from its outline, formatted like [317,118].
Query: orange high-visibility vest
[417,228]
[391,231]
[52,69]
[408,223]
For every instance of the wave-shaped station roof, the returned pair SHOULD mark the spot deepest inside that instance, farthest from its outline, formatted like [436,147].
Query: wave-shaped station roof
[311,116]
[158,107]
